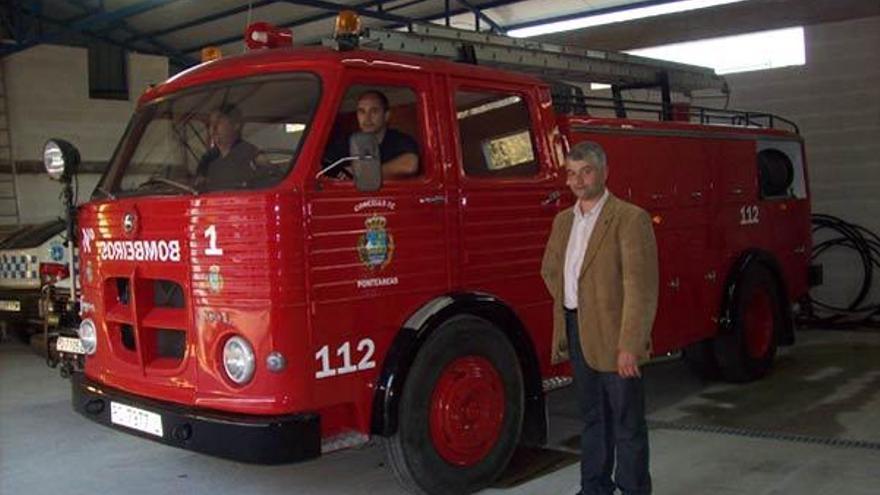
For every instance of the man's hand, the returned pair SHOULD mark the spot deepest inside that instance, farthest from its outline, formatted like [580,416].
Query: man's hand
[627,365]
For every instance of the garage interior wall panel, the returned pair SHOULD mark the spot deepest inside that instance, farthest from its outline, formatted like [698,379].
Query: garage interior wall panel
[835,99]
[48,96]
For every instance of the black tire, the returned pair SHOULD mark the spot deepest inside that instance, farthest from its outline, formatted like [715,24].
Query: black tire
[745,352]
[700,358]
[417,460]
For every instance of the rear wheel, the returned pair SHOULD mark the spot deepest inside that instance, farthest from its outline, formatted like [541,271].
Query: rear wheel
[461,411]
[746,352]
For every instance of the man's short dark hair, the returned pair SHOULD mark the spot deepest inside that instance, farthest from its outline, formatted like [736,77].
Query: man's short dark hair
[383,100]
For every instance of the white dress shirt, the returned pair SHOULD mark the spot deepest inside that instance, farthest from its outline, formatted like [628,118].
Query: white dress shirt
[578,240]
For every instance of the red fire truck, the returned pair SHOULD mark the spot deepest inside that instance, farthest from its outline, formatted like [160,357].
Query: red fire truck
[286,312]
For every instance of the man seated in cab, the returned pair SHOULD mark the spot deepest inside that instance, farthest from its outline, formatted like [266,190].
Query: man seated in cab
[230,161]
[398,150]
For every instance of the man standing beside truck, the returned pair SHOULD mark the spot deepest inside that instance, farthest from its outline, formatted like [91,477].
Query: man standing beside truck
[600,265]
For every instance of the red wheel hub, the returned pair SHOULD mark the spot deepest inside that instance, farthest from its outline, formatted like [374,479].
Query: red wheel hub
[759,324]
[467,410]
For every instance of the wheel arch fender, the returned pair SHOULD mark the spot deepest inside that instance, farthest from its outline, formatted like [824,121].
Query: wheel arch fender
[428,319]
[729,301]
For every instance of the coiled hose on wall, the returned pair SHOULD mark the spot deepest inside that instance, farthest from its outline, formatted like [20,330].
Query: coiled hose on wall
[861,312]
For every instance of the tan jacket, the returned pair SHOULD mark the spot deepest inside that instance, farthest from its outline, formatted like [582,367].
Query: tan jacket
[617,289]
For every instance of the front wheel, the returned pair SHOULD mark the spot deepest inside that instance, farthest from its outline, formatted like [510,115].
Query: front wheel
[461,412]
[746,351]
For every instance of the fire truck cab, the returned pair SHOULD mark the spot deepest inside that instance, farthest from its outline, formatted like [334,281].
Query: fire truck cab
[271,309]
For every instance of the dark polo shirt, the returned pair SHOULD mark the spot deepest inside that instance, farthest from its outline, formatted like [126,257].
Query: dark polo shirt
[233,170]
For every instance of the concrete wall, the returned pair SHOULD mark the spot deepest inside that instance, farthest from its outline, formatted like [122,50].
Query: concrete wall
[835,99]
[48,96]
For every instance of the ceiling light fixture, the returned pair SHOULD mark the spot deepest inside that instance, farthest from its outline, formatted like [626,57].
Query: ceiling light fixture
[618,16]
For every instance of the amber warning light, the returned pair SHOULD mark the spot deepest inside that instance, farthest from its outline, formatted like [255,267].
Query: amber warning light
[210,53]
[348,23]
[264,35]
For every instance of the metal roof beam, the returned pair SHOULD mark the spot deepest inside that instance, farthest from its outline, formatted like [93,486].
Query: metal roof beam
[365,5]
[85,26]
[16,22]
[172,53]
[482,15]
[201,20]
[336,7]
[308,20]
[102,19]
[454,12]
[405,4]
[65,29]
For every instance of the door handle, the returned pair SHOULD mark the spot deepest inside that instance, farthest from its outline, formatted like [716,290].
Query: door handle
[551,198]
[697,194]
[433,200]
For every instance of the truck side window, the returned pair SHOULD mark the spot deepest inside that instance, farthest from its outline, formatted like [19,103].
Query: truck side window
[495,133]
[775,173]
[781,170]
[390,112]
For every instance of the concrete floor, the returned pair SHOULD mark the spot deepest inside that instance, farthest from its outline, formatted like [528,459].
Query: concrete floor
[706,438]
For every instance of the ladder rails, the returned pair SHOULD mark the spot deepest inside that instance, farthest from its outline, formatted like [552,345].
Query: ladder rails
[547,61]
[9,211]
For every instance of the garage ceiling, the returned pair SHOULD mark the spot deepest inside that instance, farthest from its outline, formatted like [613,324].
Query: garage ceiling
[180,28]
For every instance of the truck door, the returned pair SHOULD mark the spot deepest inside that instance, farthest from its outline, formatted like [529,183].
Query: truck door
[373,258]
[646,167]
[666,175]
[510,191]
[699,281]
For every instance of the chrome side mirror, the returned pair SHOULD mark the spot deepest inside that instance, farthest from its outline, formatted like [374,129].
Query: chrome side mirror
[367,168]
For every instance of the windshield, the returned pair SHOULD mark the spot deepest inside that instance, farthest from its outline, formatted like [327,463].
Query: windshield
[241,135]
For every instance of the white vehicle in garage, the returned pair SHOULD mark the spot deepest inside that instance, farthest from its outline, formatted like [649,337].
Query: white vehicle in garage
[30,258]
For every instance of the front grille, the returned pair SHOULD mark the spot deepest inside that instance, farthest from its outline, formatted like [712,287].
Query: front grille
[170,343]
[127,336]
[167,294]
[147,320]
[122,291]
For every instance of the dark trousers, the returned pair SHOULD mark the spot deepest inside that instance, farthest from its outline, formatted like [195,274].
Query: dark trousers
[613,411]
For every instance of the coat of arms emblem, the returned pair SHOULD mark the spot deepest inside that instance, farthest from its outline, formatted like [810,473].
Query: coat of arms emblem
[215,280]
[376,245]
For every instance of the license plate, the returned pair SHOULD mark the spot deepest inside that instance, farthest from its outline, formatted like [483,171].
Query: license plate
[135,418]
[10,305]
[69,345]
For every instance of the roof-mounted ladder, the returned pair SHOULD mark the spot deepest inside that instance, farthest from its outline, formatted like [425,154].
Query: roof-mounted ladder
[552,62]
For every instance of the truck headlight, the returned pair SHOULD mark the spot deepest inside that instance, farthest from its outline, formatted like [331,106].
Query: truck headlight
[238,360]
[88,335]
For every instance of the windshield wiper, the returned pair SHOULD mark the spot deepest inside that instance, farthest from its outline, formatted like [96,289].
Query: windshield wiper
[170,182]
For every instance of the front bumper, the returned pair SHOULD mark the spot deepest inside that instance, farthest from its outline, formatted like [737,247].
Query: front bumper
[244,438]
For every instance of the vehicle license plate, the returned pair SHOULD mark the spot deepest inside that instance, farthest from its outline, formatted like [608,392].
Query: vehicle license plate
[137,419]
[10,305]
[70,345]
